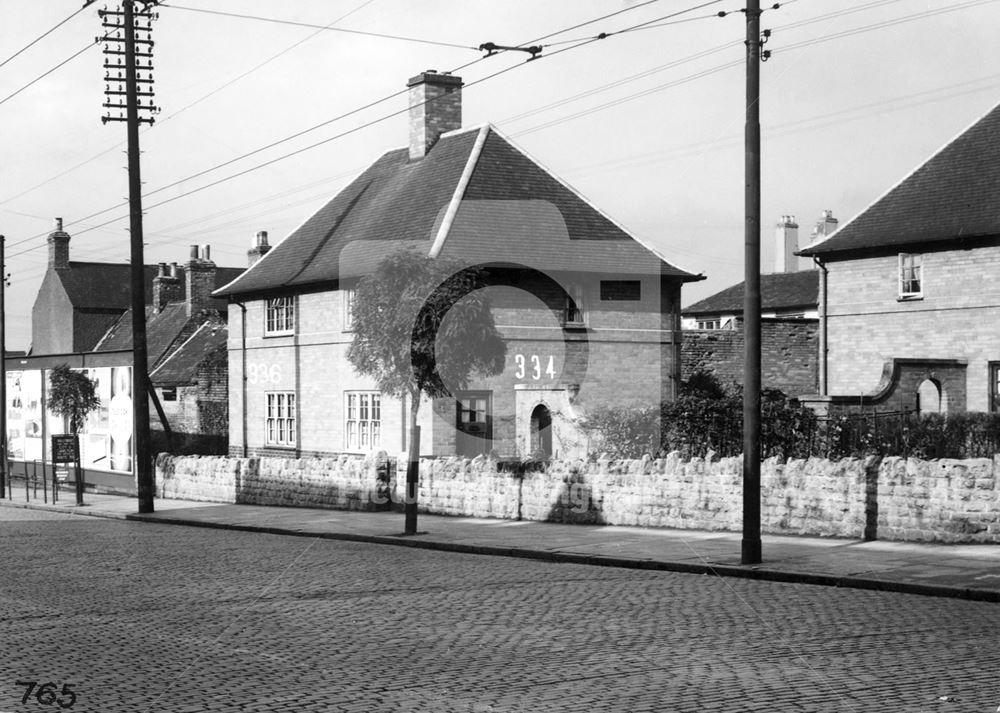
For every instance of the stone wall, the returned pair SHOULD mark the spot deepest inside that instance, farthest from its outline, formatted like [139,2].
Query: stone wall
[899,499]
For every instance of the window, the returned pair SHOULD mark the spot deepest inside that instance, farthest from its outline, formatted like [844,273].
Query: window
[573,311]
[280,317]
[709,324]
[168,393]
[910,276]
[474,422]
[363,420]
[621,290]
[348,309]
[280,422]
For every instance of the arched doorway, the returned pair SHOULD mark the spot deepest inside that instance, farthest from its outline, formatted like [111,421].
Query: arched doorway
[928,397]
[541,431]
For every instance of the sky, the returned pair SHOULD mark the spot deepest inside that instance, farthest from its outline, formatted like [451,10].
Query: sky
[264,118]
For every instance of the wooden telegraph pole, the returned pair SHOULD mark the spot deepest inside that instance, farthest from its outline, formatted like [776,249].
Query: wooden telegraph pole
[4,459]
[123,38]
[751,544]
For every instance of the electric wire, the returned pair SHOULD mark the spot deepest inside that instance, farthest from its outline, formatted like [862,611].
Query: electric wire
[47,33]
[43,76]
[320,27]
[184,108]
[312,128]
[383,118]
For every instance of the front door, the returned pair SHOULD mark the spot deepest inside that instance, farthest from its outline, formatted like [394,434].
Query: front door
[474,424]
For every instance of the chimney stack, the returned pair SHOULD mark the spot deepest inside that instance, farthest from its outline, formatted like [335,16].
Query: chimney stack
[258,248]
[166,287]
[58,247]
[786,242]
[435,107]
[200,272]
[826,225]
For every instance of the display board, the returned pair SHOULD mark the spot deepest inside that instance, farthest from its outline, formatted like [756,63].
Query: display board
[106,437]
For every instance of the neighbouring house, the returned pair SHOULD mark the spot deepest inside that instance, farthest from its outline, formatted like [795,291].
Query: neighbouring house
[82,317]
[590,314]
[713,327]
[185,344]
[909,306]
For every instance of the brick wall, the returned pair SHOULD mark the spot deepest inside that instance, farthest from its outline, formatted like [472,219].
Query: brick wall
[899,499]
[789,353]
[868,325]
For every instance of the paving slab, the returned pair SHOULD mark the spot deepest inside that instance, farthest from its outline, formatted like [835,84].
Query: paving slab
[962,571]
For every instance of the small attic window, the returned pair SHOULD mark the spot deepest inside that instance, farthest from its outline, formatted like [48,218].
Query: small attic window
[168,393]
[621,290]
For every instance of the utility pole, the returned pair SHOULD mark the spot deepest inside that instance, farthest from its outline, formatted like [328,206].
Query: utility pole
[751,544]
[125,41]
[4,462]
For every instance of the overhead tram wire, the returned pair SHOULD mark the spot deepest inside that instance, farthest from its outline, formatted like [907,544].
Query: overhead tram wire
[582,43]
[786,48]
[320,27]
[184,108]
[47,33]
[320,125]
[43,76]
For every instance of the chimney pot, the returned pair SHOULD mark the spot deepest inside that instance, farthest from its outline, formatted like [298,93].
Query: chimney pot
[59,225]
[173,269]
[206,252]
[194,252]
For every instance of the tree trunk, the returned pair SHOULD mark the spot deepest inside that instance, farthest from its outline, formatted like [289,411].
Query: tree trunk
[412,469]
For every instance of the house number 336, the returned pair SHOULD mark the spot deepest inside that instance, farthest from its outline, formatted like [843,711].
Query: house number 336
[531,365]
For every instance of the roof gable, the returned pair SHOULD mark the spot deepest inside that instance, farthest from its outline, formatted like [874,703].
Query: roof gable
[953,195]
[474,196]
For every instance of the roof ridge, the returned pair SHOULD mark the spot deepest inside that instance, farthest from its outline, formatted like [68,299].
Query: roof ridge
[109,330]
[459,194]
[900,182]
[179,348]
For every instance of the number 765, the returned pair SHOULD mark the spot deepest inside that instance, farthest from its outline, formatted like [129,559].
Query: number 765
[46,693]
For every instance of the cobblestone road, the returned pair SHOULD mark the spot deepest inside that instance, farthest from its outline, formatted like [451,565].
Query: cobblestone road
[165,619]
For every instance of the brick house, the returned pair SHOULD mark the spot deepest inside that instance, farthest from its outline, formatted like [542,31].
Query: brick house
[908,302]
[591,316]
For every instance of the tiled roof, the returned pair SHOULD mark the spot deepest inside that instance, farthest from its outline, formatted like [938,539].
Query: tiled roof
[165,331]
[953,195]
[778,291]
[90,326]
[512,209]
[181,366]
[107,285]
[102,285]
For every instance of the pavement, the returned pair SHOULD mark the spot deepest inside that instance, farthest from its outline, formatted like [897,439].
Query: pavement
[965,571]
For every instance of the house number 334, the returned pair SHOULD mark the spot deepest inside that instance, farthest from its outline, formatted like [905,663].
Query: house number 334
[530,366]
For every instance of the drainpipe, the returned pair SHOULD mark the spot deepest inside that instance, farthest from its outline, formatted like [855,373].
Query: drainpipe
[823,379]
[243,378]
